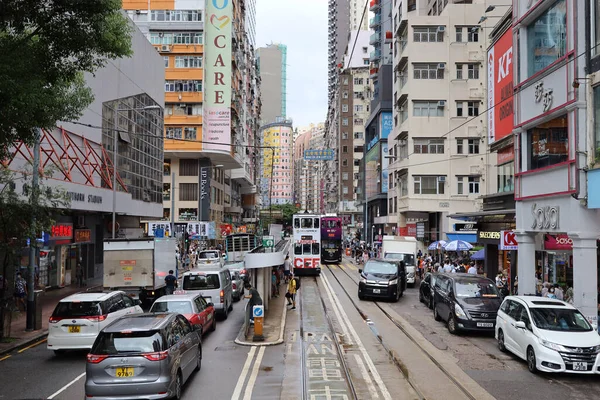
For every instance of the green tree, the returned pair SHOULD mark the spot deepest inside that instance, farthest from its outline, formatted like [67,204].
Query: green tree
[45,47]
[16,226]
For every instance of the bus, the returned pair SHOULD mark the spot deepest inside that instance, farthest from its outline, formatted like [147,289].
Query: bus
[307,244]
[331,239]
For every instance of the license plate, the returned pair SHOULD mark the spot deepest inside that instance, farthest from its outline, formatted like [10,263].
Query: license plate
[74,329]
[376,290]
[580,366]
[124,372]
[485,324]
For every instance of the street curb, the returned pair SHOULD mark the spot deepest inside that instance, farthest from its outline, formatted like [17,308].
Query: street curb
[273,343]
[449,365]
[24,343]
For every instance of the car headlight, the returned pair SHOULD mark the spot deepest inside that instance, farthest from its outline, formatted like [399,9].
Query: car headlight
[363,280]
[393,282]
[411,274]
[596,349]
[459,311]
[553,346]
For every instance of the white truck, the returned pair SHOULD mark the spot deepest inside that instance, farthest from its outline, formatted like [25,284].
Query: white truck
[402,248]
[139,266]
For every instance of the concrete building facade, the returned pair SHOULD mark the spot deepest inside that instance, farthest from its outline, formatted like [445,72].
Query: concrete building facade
[277,172]
[272,61]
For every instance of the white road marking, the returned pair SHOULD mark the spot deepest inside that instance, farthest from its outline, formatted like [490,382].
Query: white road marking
[365,374]
[255,369]
[68,385]
[242,378]
[374,372]
[341,320]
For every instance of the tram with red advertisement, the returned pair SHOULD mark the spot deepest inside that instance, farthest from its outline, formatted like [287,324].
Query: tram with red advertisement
[331,239]
[307,244]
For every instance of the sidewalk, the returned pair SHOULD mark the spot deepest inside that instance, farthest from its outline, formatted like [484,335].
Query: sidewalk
[273,326]
[21,338]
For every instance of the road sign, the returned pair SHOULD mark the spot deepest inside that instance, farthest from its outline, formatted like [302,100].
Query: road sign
[258,311]
[319,154]
[508,240]
[268,241]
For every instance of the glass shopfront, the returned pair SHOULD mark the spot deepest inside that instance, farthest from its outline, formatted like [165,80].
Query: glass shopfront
[548,143]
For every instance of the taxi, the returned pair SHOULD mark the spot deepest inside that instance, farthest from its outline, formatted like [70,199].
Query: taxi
[192,306]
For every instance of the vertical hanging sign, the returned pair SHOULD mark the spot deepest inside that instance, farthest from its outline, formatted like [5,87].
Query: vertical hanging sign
[217,76]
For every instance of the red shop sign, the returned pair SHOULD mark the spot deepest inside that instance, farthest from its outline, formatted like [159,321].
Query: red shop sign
[558,242]
[62,231]
[506,154]
[411,230]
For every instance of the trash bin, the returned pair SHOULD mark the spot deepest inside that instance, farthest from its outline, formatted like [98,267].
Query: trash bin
[38,297]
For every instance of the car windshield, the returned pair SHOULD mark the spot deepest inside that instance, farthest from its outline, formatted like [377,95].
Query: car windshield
[76,309]
[127,342]
[409,259]
[555,319]
[181,307]
[201,282]
[380,267]
[476,288]
[208,254]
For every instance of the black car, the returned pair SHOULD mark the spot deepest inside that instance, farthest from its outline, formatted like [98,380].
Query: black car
[466,302]
[381,278]
[426,289]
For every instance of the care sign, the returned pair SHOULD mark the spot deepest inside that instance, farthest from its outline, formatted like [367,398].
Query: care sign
[258,311]
[508,240]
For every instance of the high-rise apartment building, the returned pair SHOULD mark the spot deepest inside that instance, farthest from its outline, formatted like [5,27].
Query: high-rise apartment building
[357,21]
[277,173]
[339,28]
[440,164]
[272,61]
[210,124]
[302,178]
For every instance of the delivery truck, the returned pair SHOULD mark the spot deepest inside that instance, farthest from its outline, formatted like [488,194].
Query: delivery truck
[139,266]
[402,248]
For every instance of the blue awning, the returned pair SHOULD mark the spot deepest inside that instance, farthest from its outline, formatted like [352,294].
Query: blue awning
[467,237]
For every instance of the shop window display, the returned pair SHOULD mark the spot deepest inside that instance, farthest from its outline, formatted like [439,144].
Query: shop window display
[548,143]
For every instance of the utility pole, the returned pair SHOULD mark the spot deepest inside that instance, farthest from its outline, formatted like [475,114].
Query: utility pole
[33,200]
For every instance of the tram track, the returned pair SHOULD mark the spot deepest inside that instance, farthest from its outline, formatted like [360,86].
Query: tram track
[394,357]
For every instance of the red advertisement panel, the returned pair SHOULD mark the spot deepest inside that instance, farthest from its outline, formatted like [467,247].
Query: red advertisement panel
[500,88]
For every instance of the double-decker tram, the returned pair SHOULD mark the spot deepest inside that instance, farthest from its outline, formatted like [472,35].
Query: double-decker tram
[307,244]
[331,239]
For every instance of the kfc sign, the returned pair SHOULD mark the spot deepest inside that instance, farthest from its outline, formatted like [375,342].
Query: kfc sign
[307,262]
[500,88]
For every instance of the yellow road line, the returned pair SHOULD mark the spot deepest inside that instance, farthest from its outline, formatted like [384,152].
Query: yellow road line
[332,266]
[351,266]
[4,358]
[31,345]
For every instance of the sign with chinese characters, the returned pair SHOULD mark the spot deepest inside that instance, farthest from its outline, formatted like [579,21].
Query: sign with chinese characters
[545,217]
[543,95]
[83,235]
[319,155]
[540,97]
[420,230]
[62,231]
[127,269]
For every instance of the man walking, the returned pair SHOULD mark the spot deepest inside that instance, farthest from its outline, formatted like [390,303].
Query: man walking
[20,292]
[287,268]
[171,282]
[254,300]
[292,292]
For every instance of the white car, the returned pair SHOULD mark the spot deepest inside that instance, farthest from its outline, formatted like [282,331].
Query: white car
[77,319]
[551,335]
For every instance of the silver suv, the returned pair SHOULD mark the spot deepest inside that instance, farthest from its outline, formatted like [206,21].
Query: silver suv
[146,356]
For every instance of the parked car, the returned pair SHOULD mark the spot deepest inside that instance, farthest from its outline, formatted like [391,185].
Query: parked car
[466,302]
[551,335]
[382,279]
[426,289]
[143,356]
[192,306]
[214,284]
[77,319]
[237,284]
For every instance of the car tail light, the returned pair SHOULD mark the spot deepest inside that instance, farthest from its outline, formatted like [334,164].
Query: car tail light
[54,320]
[96,318]
[95,359]
[161,355]
[222,294]
[234,285]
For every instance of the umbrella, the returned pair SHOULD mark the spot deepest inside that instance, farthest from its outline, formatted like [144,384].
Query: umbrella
[478,255]
[437,244]
[458,245]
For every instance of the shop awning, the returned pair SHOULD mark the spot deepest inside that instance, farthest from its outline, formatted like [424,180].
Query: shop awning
[478,255]
[467,237]
[486,216]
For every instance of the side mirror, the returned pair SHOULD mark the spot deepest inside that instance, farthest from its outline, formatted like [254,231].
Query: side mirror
[210,305]
[137,302]
[520,325]
[360,271]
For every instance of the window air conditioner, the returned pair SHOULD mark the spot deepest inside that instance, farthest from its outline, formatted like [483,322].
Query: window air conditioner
[441,179]
[165,48]
[442,103]
[442,66]
[441,29]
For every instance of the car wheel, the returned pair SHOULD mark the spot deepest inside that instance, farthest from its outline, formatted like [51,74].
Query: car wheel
[178,384]
[398,294]
[230,308]
[430,305]
[361,297]
[531,361]
[59,352]
[452,328]
[199,359]
[501,345]
[214,324]
[224,313]
[436,316]
[421,298]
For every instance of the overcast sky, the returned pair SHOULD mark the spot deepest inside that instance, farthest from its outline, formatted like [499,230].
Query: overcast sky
[302,26]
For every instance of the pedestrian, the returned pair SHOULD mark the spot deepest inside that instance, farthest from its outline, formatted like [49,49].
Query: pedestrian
[365,256]
[287,266]
[171,282]
[472,269]
[558,292]
[254,300]
[291,292]
[79,275]
[20,291]
[274,287]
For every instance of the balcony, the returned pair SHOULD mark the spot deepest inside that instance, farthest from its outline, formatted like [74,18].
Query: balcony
[375,55]
[374,5]
[375,38]
[375,21]
[388,37]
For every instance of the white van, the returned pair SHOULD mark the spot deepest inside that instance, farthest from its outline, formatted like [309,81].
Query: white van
[209,258]
[214,284]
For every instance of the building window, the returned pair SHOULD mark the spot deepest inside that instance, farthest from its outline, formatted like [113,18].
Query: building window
[548,143]
[344,107]
[188,167]
[596,50]
[174,133]
[358,108]
[459,146]
[428,108]
[183,86]
[429,184]
[345,121]
[428,71]
[459,71]
[358,121]
[176,15]
[345,94]
[428,34]
[473,184]
[166,60]
[190,133]
[344,135]
[460,185]
[428,146]
[188,191]
[357,81]
[345,162]
[346,81]
[167,167]
[176,37]
[358,135]
[472,34]
[344,149]
[472,108]
[344,176]
[473,146]
[459,33]
[506,174]
[357,162]
[459,109]
[188,62]
[345,190]
[547,38]
[472,71]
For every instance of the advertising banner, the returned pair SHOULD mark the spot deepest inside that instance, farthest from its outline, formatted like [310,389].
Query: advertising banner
[204,183]
[319,155]
[226,229]
[384,168]
[558,242]
[371,160]
[217,72]
[386,125]
[500,88]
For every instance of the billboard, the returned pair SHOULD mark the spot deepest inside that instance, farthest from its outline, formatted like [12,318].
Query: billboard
[500,88]
[386,125]
[204,183]
[319,155]
[371,161]
[217,72]
[384,168]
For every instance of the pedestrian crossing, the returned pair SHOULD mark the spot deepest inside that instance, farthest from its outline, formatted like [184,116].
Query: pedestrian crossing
[344,266]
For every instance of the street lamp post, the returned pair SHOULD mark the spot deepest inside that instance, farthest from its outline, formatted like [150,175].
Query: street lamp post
[115,151]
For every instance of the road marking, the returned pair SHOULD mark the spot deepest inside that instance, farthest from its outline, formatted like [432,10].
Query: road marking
[361,347]
[351,266]
[5,357]
[242,378]
[255,369]
[332,266]
[341,321]
[31,345]
[66,386]
[365,374]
